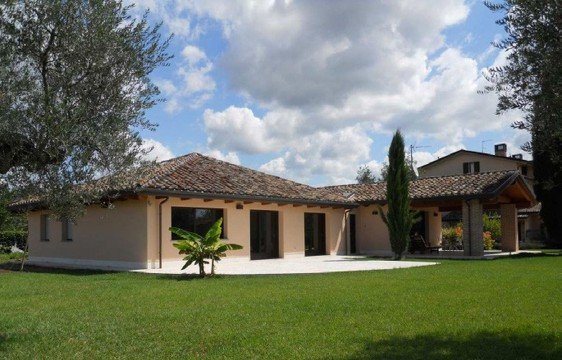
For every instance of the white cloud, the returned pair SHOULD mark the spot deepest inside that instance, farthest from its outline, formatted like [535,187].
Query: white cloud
[237,129]
[336,155]
[158,151]
[230,157]
[327,75]
[193,85]
[193,54]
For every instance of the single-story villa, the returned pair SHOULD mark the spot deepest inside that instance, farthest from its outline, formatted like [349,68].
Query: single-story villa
[269,216]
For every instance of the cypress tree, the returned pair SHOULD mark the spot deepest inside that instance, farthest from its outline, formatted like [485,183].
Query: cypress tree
[399,218]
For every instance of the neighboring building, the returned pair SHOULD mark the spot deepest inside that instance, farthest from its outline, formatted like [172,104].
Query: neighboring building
[472,162]
[270,216]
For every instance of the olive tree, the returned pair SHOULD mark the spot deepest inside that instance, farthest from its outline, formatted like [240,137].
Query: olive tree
[74,89]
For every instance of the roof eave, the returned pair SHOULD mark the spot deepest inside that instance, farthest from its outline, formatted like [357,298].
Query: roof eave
[241,197]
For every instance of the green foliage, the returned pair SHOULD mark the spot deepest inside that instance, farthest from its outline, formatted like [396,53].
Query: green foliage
[8,238]
[399,218]
[493,225]
[198,248]
[411,172]
[365,176]
[488,240]
[75,89]
[531,81]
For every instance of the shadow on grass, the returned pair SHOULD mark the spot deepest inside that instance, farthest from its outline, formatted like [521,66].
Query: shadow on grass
[184,277]
[15,266]
[3,341]
[483,345]
[526,255]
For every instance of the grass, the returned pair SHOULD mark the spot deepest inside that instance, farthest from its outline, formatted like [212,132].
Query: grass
[503,309]
[13,256]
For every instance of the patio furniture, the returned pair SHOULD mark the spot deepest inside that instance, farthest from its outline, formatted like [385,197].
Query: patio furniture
[453,244]
[418,243]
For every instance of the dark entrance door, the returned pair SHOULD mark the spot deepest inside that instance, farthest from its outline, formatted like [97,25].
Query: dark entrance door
[314,234]
[419,227]
[352,235]
[264,234]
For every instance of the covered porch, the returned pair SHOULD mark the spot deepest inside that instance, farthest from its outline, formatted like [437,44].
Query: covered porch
[506,196]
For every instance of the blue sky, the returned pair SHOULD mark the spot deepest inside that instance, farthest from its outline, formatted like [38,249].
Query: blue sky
[311,90]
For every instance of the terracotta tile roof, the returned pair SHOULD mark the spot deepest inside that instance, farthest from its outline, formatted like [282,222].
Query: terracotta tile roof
[432,188]
[197,174]
[532,210]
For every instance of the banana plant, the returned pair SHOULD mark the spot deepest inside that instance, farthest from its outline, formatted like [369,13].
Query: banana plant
[199,249]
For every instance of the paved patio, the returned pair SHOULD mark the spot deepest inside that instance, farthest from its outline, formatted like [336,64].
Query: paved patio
[302,265]
[459,254]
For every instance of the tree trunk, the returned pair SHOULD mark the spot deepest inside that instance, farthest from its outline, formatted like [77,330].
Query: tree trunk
[201,268]
[25,249]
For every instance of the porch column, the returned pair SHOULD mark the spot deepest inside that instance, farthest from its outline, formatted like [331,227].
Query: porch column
[510,236]
[472,241]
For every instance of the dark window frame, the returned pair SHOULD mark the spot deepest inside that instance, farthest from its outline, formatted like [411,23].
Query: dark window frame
[64,231]
[217,213]
[466,167]
[45,224]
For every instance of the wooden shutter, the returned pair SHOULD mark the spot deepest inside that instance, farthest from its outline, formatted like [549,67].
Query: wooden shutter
[477,167]
[465,168]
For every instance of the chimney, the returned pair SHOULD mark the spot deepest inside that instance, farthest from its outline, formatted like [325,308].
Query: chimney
[517,156]
[500,149]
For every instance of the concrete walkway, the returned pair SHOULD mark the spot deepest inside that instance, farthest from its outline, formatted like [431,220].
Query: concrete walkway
[302,265]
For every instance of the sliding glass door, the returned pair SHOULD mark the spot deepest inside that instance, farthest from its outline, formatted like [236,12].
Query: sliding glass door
[264,234]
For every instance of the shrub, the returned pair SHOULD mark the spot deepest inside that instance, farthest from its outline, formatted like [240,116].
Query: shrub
[448,233]
[488,240]
[13,237]
[493,225]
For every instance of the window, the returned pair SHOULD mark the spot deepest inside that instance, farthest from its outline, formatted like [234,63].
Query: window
[45,227]
[471,167]
[524,170]
[67,230]
[197,220]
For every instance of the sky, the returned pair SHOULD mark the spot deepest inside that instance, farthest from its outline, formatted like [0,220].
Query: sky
[312,90]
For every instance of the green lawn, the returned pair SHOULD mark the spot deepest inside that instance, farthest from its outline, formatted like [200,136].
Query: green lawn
[504,309]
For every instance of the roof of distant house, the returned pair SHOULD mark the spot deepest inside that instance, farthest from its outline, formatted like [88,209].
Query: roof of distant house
[474,153]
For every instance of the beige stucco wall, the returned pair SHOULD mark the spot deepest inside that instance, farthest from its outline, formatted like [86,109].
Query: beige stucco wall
[237,227]
[371,231]
[117,237]
[454,165]
[372,234]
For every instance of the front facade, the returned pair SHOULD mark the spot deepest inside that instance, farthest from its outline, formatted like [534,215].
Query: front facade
[128,235]
[269,216]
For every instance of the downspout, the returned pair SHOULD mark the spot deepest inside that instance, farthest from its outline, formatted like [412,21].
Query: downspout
[467,201]
[160,231]
[347,230]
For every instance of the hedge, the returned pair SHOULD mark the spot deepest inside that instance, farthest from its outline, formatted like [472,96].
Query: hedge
[11,237]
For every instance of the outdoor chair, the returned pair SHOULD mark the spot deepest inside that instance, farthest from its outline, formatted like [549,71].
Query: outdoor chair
[419,244]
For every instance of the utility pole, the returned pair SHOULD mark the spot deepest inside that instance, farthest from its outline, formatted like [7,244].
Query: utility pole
[412,147]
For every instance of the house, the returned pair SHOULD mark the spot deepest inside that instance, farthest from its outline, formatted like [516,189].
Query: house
[472,162]
[270,216]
